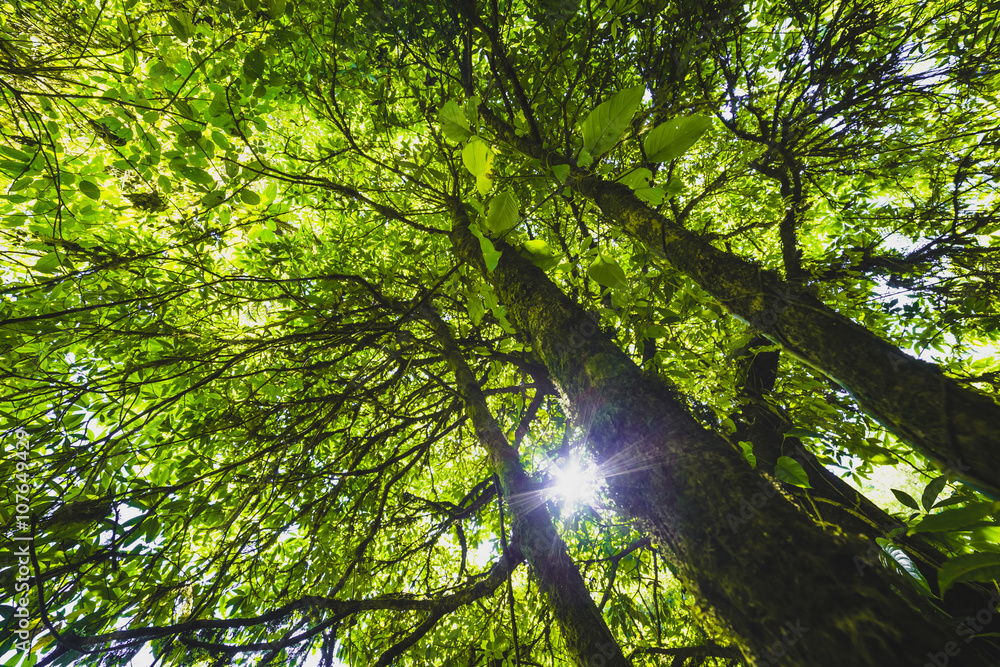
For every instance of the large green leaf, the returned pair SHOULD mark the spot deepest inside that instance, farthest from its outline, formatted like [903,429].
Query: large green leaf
[249,197]
[90,189]
[607,272]
[478,158]
[955,519]
[253,65]
[180,30]
[790,471]
[454,124]
[540,254]
[904,565]
[503,212]
[932,491]
[606,124]
[47,263]
[199,176]
[490,253]
[905,498]
[636,178]
[652,196]
[561,171]
[673,138]
[969,567]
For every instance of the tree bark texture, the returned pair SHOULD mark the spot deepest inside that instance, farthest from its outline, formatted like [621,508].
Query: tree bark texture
[784,587]
[955,427]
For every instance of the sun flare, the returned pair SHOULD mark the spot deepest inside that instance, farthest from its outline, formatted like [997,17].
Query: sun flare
[576,483]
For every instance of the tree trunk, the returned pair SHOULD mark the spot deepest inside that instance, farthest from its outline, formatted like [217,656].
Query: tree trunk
[587,635]
[837,502]
[955,427]
[782,586]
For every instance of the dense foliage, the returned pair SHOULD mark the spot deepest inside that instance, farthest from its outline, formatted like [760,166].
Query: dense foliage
[231,291]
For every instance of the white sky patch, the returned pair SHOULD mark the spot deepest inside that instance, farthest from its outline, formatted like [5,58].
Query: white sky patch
[484,554]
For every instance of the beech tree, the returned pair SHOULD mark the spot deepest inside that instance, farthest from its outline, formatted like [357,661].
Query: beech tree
[465,333]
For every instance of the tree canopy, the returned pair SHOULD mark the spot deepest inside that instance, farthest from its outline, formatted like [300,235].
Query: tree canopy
[480,333]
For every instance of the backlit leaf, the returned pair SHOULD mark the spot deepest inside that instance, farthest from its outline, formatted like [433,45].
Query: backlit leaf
[607,272]
[540,254]
[490,253]
[454,124]
[905,499]
[503,212]
[955,519]
[673,138]
[932,491]
[969,567]
[606,124]
[790,471]
[478,158]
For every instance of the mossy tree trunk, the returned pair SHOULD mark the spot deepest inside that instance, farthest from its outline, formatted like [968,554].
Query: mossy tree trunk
[956,427]
[783,586]
[586,634]
[835,501]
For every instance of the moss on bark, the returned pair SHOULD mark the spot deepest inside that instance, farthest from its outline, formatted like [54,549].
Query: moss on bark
[769,573]
[586,634]
[956,427]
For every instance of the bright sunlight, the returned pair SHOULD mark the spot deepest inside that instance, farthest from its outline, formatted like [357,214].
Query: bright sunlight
[576,483]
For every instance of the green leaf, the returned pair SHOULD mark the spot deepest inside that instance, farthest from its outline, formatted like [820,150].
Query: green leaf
[652,196]
[47,263]
[15,154]
[483,185]
[790,471]
[270,192]
[187,111]
[199,176]
[180,30]
[584,159]
[955,519]
[905,498]
[454,124]
[253,65]
[221,140]
[674,187]
[12,168]
[540,254]
[478,158]
[490,253]
[503,212]
[802,433]
[932,490]
[249,197]
[561,171]
[90,189]
[474,304]
[607,272]
[904,565]
[606,124]
[969,567]
[748,453]
[20,184]
[673,138]
[985,538]
[637,178]
[213,199]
